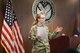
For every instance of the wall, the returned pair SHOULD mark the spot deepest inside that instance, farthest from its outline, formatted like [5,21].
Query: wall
[2,9]
[65,16]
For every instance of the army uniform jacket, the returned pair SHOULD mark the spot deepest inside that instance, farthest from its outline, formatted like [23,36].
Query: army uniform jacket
[41,46]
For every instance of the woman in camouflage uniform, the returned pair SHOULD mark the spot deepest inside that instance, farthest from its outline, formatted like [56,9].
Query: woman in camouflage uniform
[40,45]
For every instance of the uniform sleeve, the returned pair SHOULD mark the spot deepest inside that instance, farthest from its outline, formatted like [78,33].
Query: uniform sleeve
[32,35]
[52,35]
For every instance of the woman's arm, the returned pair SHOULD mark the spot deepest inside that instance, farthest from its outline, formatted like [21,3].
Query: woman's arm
[54,34]
[32,35]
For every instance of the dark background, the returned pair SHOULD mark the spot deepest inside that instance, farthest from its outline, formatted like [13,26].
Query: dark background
[67,16]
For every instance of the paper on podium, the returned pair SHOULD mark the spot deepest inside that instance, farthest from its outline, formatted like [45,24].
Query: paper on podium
[41,31]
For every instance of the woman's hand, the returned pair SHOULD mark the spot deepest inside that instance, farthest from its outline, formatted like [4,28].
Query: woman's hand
[59,29]
[38,37]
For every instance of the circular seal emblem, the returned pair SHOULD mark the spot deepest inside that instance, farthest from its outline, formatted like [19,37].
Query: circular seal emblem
[44,5]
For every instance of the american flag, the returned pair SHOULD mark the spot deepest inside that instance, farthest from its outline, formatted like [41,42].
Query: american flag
[11,38]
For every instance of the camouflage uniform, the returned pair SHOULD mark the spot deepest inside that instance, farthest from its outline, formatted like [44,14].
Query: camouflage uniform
[41,46]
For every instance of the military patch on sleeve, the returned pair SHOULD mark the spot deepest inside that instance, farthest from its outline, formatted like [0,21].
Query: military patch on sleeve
[44,5]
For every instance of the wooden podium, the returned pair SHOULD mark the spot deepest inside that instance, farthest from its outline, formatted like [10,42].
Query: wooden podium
[58,45]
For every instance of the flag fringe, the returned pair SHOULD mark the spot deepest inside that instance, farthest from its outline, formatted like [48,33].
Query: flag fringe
[4,47]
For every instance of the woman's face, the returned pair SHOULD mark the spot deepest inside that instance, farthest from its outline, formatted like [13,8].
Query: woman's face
[42,19]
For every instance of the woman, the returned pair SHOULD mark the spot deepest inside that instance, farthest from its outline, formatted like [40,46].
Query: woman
[40,45]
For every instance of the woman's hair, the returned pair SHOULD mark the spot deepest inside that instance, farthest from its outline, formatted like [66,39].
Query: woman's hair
[38,17]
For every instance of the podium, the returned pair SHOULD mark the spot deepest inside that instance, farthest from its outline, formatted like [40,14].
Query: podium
[59,44]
